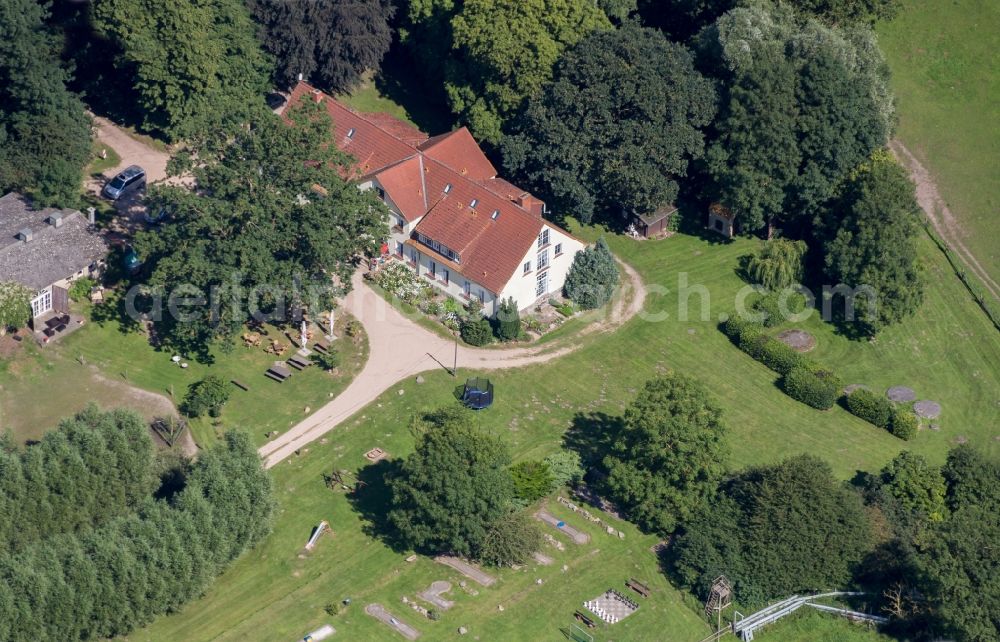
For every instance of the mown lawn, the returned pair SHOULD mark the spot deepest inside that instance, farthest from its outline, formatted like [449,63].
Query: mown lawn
[948,353]
[42,385]
[944,56]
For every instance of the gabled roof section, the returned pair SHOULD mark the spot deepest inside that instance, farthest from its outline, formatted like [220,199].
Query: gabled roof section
[372,146]
[403,183]
[491,247]
[459,151]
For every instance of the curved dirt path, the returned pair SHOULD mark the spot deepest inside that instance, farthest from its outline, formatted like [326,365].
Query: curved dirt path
[400,348]
[940,216]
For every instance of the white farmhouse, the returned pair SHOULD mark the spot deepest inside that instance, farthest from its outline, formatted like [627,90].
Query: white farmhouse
[469,232]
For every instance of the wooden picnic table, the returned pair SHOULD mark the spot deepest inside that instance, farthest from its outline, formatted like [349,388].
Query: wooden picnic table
[298,362]
[278,372]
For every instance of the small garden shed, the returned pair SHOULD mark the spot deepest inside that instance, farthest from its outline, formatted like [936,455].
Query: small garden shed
[652,224]
[722,220]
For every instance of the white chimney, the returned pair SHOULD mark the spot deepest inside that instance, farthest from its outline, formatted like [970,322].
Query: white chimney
[56,219]
[90,215]
[300,77]
[25,234]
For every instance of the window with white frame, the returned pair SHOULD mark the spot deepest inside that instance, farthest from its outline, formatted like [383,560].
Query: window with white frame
[41,303]
[467,289]
[543,238]
[527,267]
[542,260]
[558,249]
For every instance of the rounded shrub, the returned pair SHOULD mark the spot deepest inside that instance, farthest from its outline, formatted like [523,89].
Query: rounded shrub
[872,407]
[206,397]
[903,424]
[812,386]
[477,331]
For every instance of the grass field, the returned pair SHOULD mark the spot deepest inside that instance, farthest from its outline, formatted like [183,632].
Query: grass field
[102,364]
[947,353]
[944,56]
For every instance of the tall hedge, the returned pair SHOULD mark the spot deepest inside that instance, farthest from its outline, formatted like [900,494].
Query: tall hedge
[872,407]
[903,424]
[814,387]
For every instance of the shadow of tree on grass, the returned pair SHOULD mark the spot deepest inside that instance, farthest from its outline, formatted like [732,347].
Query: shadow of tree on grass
[372,500]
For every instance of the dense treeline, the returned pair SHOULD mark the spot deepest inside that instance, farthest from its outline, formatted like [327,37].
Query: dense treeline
[44,130]
[617,125]
[192,64]
[95,467]
[801,105]
[104,581]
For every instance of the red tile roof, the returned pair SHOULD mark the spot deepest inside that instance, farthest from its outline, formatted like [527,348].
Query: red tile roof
[459,151]
[415,170]
[403,182]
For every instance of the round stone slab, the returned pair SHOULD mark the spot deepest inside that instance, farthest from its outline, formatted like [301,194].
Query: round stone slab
[798,340]
[927,409]
[901,393]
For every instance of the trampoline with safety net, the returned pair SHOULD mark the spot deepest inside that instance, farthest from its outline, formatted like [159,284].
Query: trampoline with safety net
[478,393]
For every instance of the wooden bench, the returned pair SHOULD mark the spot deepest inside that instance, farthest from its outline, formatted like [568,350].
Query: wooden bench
[321,346]
[638,587]
[585,620]
[239,384]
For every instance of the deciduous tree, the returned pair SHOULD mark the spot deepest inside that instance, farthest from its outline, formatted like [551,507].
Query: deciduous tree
[778,263]
[331,41]
[874,242]
[670,454]
[616,127]
[503,51]
[194,63]
[802,104]
[959,567]
[272,223]
[511,539]
[15,306]
[453,488]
